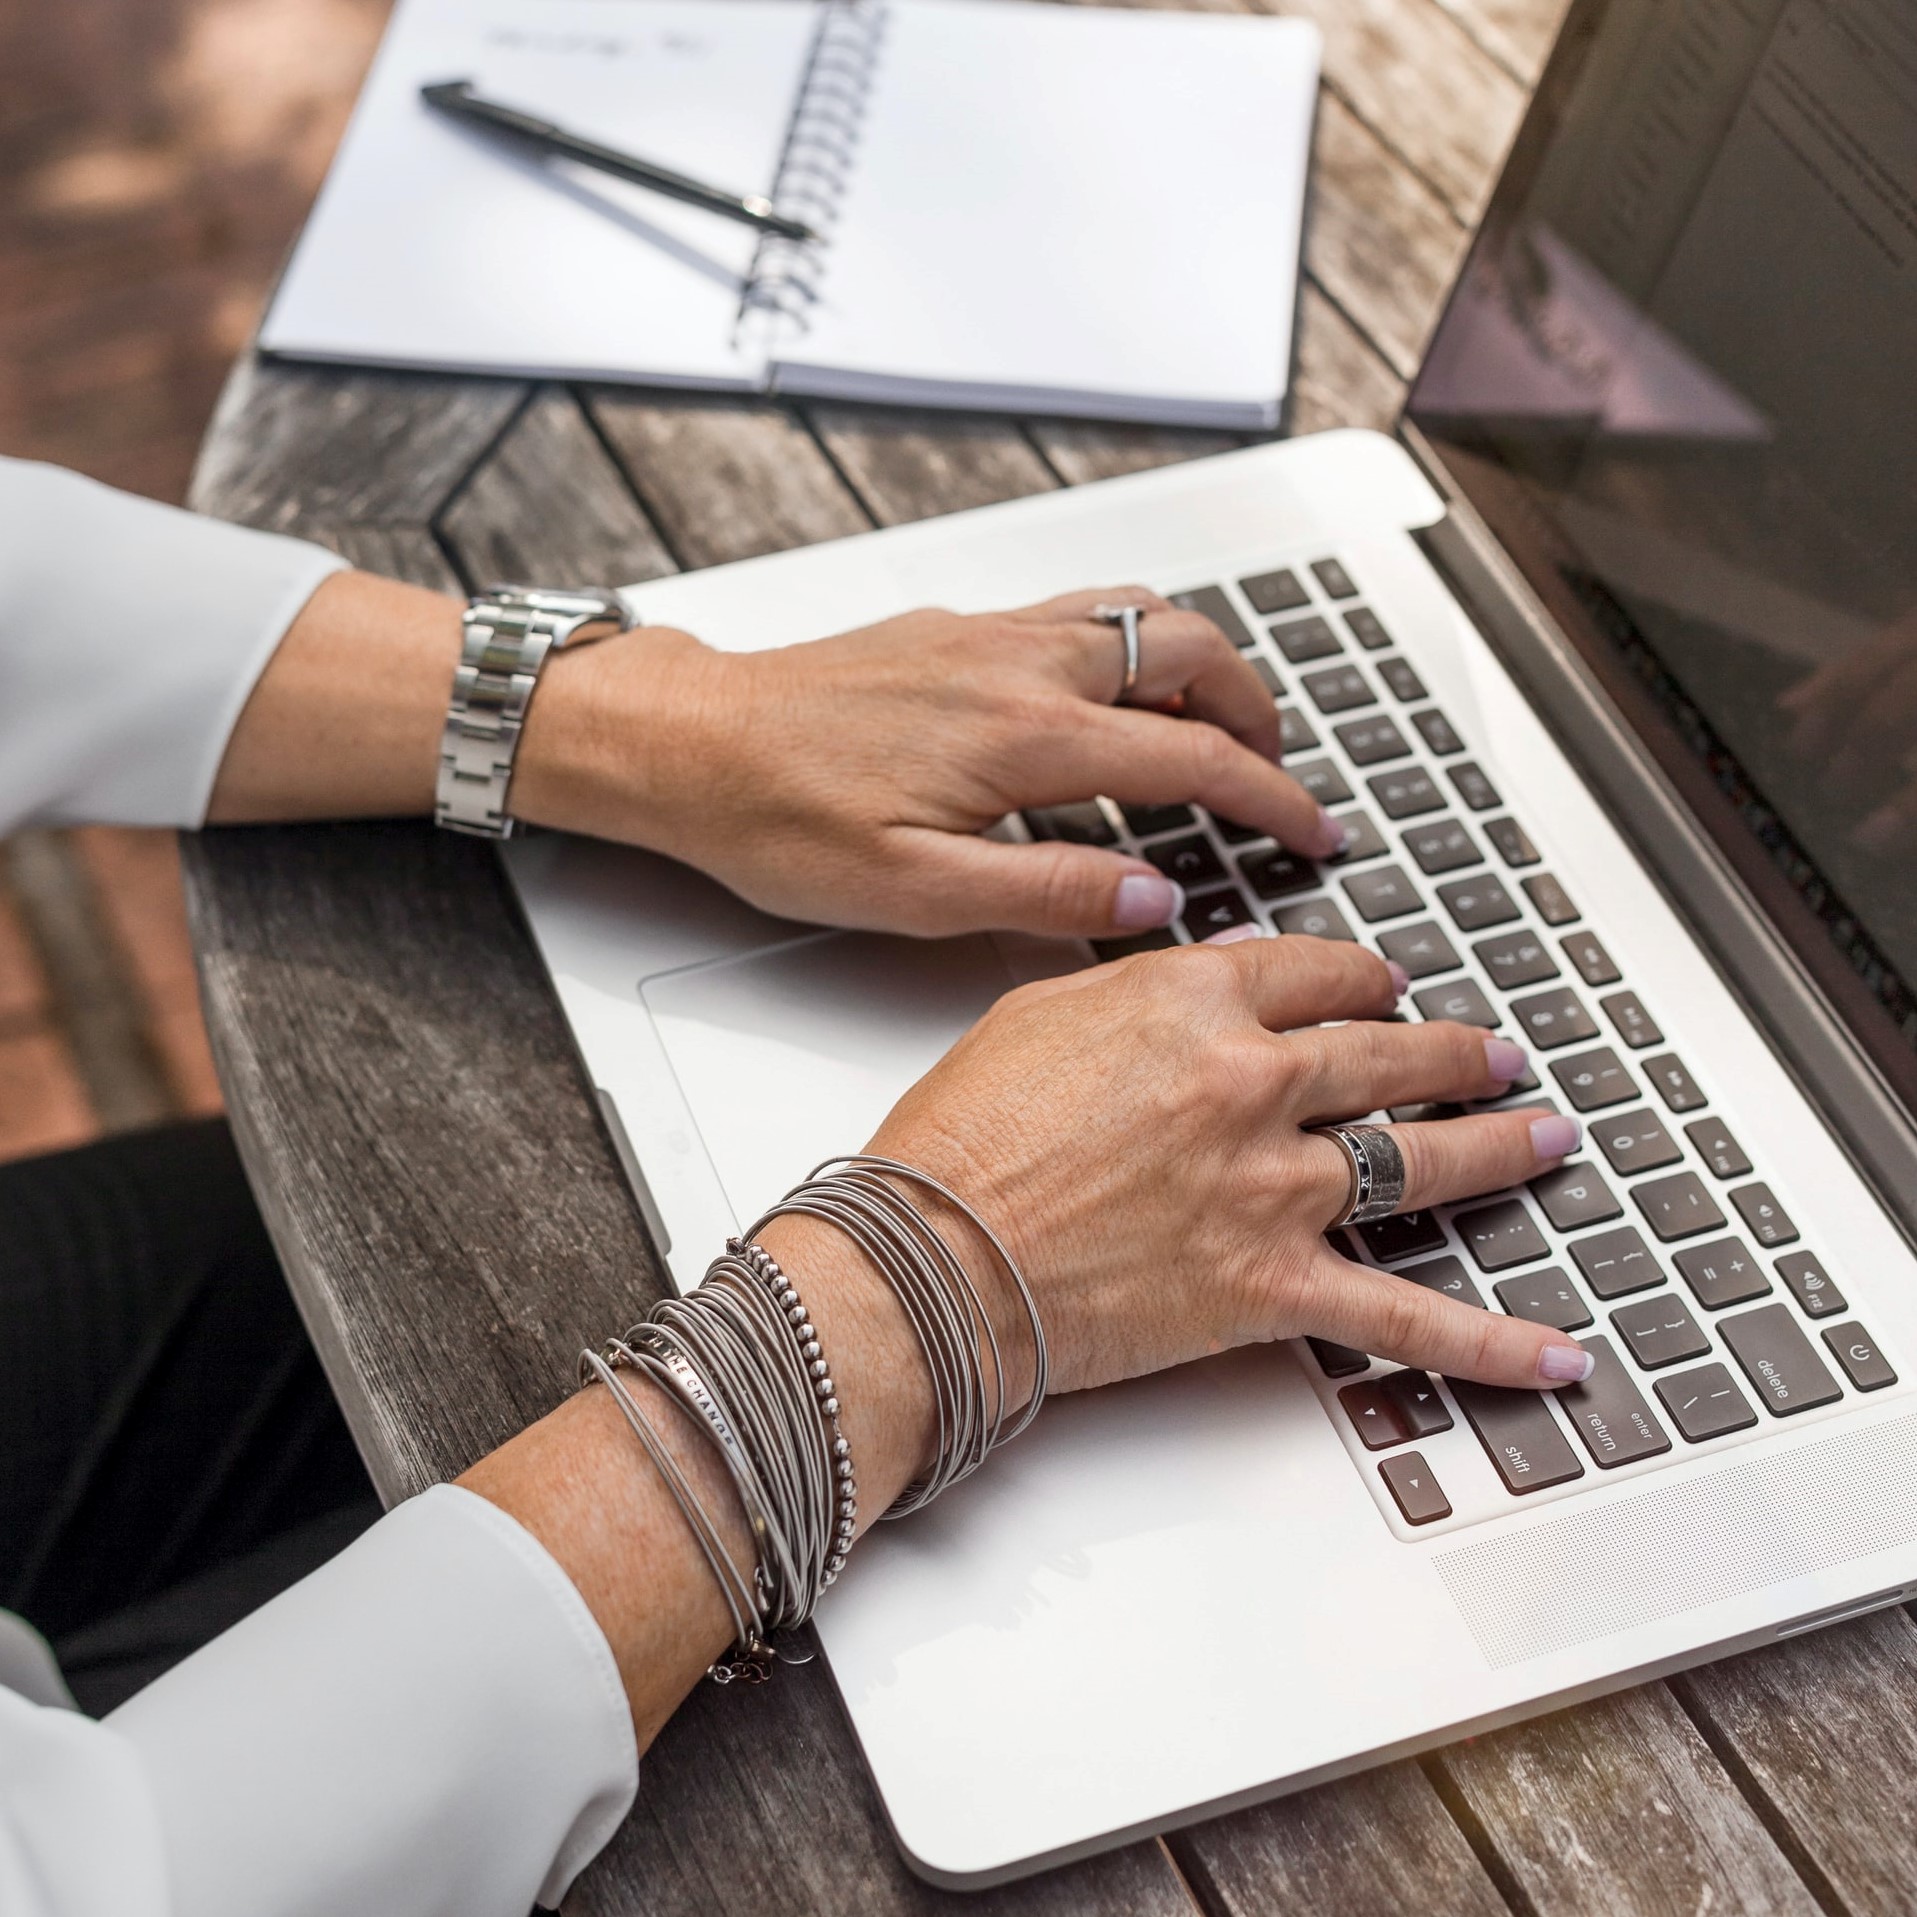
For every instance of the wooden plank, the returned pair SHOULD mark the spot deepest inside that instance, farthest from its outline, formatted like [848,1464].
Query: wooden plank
[411,553]
[1423,86]
[725,479]
[1515,33]
[910,465]
[1341,381]
[1379,242]
[1378,1845]
[1822,1731]
[1620,1806]
[1079,450]
[548,503]
[291,443]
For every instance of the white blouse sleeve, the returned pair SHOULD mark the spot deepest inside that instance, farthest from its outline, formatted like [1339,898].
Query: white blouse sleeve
[131,635]
[431,1726]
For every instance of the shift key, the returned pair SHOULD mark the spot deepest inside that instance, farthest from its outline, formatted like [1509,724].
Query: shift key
[1609,1414]
[1519,1435]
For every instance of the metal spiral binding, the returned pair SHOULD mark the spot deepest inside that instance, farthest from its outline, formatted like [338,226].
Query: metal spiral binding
[815,169]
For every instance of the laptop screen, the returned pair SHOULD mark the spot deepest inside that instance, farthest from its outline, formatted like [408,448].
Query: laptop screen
[1679,379]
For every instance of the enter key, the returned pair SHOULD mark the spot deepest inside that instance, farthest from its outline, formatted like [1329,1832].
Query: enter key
[1609,1414]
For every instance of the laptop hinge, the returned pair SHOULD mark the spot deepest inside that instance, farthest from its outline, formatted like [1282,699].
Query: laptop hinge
[1784,1001]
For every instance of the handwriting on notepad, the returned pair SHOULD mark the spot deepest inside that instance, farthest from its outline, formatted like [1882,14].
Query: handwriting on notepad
[602,46]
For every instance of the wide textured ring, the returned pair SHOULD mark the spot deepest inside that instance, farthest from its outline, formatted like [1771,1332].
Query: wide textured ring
[1377,1172]
[1126,619]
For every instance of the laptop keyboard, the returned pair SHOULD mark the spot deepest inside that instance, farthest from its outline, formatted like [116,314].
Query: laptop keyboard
[1662,1248]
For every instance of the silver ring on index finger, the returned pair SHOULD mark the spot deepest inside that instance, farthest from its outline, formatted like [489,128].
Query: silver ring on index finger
[1377,1172]
[1126,619]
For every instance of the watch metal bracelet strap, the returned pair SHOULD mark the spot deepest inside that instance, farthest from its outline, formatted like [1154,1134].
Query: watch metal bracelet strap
[509,633]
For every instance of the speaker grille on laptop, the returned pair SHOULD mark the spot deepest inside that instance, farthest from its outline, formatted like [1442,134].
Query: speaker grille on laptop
[1596,1571]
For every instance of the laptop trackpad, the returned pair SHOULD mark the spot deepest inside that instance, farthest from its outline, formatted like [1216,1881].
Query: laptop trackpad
[792,1053]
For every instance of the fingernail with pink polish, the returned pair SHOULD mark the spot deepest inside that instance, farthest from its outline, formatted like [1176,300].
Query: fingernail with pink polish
[1565,1364]
[1504,1060]
[1332,838]
[1400,978]
[1232,934]
[1146,900]
[1555,1136]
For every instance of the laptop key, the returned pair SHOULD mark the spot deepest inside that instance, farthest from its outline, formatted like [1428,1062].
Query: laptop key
[1545,1297]
[1275,873]
[1294,731]
[1811,1285]
[1367,628]
[1659,1332]
[1365,841]
[1442,846]
[1712,1141]
[1303,640]
[1573,1196]
[1109,949]
[1333,580]
[1337,1361]
[1191,861]
[1279,591]
[1446,1275]
[1675,1085]
[1635,1025]
[1552,1019]
[1371,741]
[1421,949]
[1373,1412]
[1636,1142]
[1403,795]
[1550,900]
[1513,842]
[1322,780]
[1084,824]
[1402,677]
[1415,1399]
[1501,1235]
[1413,1489]
[1722,1273]
[1785,1372]
[1678,1206]
[1616,1263]
[1269,674]
[1462,1001]
[1235,834]
[1215,912]
[1705,1403]
[1518,958]
[1609,1414]
[1474,788]
[1593,1080]
[1764,1218]
[1147,821]
[1404,1234]
[1519,1436]
[1211,601]
[1592,962]
[1864,1365]
[1436,732]
[1382,893]
[1315,919]
[1478,903]
[1338,689]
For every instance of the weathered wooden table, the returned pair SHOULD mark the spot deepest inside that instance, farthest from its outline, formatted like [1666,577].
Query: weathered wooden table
[456,1226]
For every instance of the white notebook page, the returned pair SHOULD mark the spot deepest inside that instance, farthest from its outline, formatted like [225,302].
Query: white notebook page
[1071,201]
[437,245]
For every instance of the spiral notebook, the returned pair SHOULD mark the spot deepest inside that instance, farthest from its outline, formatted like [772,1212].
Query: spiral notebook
[1022,206]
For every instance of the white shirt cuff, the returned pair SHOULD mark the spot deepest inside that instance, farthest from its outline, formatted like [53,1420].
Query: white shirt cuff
[432,1725]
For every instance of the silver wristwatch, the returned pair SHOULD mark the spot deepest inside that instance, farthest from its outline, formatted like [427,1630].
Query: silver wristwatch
[510,630]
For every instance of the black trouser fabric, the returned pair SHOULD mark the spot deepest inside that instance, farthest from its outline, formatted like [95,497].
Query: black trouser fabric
[170,1453]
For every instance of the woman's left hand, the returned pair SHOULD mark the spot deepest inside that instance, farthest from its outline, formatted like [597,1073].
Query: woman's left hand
[847,781]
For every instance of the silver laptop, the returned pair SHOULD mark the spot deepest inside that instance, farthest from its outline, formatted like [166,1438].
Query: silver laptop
[1552,650]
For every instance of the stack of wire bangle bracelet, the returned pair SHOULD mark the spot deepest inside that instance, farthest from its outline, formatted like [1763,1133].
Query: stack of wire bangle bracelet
[741,1357]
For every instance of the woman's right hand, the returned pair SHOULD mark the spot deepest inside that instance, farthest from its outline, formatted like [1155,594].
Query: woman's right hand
[1138,1135]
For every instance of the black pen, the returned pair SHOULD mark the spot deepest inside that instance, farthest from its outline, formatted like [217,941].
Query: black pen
[458,98]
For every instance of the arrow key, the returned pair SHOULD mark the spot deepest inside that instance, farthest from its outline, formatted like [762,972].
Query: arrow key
[1420,1410]
[1413,1489]
[1374,1414]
